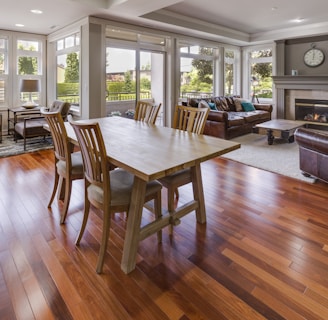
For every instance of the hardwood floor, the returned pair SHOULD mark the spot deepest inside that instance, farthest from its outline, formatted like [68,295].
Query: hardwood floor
[263,253]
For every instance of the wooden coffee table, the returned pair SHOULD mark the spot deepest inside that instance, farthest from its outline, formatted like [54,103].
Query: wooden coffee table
[279,128]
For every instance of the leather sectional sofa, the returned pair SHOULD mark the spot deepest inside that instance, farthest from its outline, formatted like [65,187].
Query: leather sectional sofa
[228,119]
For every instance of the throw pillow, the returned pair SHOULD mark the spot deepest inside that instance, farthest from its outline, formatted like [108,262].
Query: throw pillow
[248,106]
[238,105]
[212,106]
[203,104]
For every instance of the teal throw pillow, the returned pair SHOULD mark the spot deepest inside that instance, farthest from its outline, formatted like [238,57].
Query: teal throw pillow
[248,106]
[212,106]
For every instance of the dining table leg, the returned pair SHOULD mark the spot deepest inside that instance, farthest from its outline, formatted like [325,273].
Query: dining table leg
[132,233]
[197,186]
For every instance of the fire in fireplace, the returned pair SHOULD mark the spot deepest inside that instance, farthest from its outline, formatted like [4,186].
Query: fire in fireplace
[311,110]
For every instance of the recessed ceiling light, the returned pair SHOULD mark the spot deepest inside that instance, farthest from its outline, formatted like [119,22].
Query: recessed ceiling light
[299,20]
[36,11]
[19,25]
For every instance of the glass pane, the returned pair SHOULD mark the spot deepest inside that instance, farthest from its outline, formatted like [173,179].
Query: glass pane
[184,49]
[229,73]
[69,42]
[196,77]
[261,80]
[60,45]
[121,67]
[120,80]
[27,65]
[152,80]
[68,78]
[28,45]
[2,63]
[261,53]
[3,43]
[145,75]
[2,91]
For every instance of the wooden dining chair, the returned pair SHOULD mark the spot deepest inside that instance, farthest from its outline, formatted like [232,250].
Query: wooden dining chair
[68,164]
[191,120]
[107,190]
[146,112]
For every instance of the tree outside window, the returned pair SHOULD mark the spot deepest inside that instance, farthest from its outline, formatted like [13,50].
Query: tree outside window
[196,71]
[261,70]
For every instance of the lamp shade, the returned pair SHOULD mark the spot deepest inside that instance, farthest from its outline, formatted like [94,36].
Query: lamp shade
[29,85]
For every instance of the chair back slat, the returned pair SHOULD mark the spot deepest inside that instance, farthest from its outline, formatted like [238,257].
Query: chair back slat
[146,112]
[190,119]
[93,151]
[58,133]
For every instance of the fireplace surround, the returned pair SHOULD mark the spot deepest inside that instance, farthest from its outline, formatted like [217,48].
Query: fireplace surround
[290,88]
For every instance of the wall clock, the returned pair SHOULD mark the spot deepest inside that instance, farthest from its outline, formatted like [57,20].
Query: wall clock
[314,57]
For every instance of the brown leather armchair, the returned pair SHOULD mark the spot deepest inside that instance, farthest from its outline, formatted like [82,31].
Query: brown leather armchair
[313,146]
[34,126]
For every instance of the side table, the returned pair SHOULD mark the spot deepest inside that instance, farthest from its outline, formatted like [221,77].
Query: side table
[18,114]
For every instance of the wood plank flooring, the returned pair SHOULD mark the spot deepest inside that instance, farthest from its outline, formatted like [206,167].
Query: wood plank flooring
[263,253]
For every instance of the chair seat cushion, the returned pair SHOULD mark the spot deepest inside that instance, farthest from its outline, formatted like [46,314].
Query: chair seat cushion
[77,165]
[121,184]
[178,178]
[32,128]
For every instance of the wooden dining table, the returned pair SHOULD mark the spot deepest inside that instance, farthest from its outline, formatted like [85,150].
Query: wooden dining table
[151,152]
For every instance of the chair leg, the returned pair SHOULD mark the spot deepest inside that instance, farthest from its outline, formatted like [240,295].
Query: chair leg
[67,197]
[176,191]
[54,189]
[170,205]
[158,213]
[104,240]
[85,215]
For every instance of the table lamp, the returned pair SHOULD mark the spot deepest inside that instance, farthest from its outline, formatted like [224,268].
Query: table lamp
[29,86]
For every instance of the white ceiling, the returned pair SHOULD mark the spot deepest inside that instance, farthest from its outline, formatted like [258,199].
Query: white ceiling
[231,21]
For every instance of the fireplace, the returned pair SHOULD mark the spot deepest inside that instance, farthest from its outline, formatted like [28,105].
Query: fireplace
[311,110]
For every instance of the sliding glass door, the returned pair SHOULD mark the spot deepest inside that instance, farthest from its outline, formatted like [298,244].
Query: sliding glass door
[133,74]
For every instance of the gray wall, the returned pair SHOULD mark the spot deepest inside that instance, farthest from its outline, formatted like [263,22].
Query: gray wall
[294,53]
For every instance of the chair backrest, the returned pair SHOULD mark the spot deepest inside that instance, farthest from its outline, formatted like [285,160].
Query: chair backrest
[59,134]
[96,166]
[60,106]
[146,112]
[190,119]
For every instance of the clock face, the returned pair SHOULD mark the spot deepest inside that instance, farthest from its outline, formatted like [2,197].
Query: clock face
[314,57]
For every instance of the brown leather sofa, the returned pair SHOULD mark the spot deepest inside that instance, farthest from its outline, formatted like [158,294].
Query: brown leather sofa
[226,122]
[231,124]
[32,126]
[313,145]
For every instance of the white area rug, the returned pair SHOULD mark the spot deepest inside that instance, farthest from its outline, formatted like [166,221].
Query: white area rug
[281,157]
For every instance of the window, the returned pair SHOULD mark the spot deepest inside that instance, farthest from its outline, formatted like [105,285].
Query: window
[3,70]
[68,69]
[196,71]
[28,65]
[260,79]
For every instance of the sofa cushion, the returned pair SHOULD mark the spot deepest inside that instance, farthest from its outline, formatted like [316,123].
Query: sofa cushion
[256,115]
[234,119]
